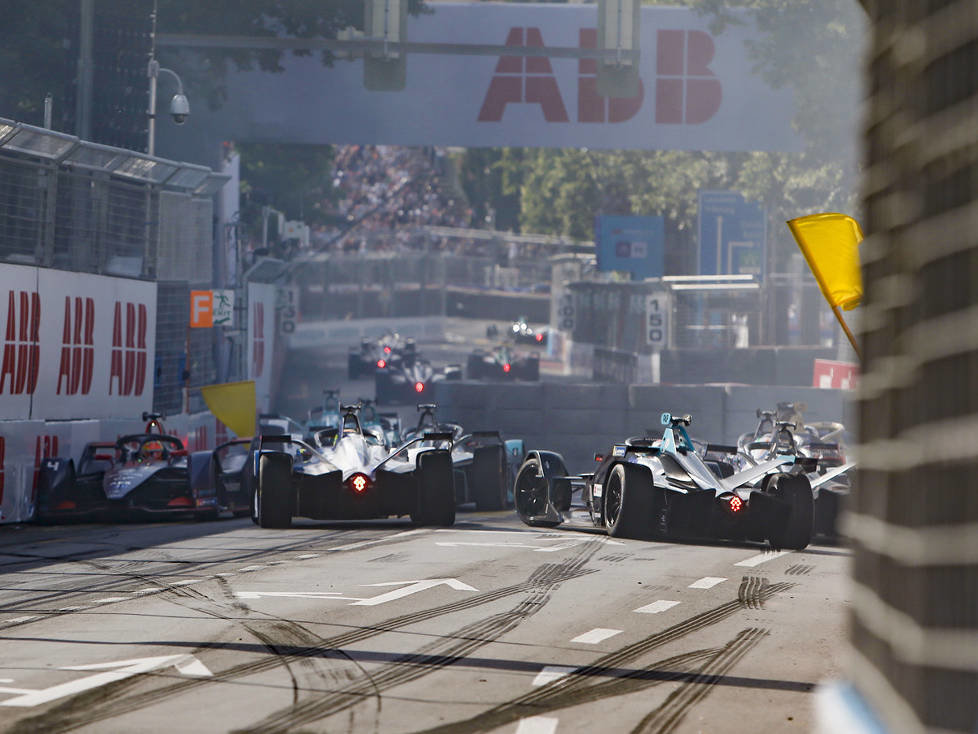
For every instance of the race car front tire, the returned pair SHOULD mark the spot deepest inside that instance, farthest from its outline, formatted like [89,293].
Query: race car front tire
[531,495]
[274,496]
[795,532]
[436,490]
[628,502]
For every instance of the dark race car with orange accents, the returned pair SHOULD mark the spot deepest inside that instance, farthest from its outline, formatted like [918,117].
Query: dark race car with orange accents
[139,475]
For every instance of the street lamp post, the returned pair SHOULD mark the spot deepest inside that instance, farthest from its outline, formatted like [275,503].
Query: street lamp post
[179,106]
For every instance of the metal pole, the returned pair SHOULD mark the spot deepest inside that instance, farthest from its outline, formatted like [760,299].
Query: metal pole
[48,105]
[152,71]
[83,101]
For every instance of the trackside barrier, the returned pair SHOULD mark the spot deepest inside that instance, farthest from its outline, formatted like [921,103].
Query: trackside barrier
[578,420]
[25,444]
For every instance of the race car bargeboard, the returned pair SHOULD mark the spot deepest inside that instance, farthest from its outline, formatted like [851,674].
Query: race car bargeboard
[352,477]
[647,487]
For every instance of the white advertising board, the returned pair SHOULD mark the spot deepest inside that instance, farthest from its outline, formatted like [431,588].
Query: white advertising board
[698,90]
[74,345]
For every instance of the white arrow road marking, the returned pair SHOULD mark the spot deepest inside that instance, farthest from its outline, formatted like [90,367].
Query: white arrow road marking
[707,582]
[186,664]
[537,725]
[297,595]
[656,607]
[551,673]
[761,558]
[413,588]
[598,634]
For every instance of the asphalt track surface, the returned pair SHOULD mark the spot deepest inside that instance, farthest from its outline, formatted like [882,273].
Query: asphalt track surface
[488,626]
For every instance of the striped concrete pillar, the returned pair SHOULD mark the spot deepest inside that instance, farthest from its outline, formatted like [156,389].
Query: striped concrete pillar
[914,516]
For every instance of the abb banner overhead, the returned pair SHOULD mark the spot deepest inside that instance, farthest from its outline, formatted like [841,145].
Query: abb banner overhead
[698,90]
[74,345]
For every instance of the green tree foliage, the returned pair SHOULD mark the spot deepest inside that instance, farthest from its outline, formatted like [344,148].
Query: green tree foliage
[289,177]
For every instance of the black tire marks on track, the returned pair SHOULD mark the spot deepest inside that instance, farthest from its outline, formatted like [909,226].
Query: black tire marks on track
[578,687]
[110,701]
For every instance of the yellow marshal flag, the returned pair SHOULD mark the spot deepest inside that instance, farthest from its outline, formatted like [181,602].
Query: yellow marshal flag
[830,244]
[233,403]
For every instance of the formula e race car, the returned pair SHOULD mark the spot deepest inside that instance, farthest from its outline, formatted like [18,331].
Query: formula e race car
[481,460]
[522,333]
[501,363]
[374,353]
[407,376]
[139,474]
[777,433]
[354,477]
[648,487]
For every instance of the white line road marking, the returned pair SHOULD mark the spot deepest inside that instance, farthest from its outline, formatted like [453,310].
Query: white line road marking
[110,599]
[598,634]
[18,691]
[761,558]
[246,569]
[186,582]
[575,541]
[656,607]
[70,609]
[150,590]
[226,574]
[413,588]
[707,582]
[15,620]
[365,543]
[537,725]
[115,671]
[6,680]
[306,556]
[329,595]
[551,673]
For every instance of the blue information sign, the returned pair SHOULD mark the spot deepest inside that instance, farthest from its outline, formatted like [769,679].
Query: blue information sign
[732,235]
[632,244]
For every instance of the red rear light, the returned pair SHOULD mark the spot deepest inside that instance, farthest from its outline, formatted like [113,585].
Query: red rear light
[359,483]
[381,363]
[419,387]
[736,504]
[387,350]
[507,367]
[598,457]
[539,337]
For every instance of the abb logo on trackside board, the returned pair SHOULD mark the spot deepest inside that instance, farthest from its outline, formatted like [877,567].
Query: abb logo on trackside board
[687,91]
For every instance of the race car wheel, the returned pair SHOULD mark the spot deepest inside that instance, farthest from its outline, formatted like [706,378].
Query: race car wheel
[795,532]
[436,491]
[273,506]
[531,495]
[489,478]
[628,503]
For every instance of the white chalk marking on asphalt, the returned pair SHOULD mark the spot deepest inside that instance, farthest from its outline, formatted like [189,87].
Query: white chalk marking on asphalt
[413,587]
[186,582]
[70,609]
[115,671]
[551,673]
[110,599]
[246,569]
[598,634]
[328,595]
[226,574]
[707,582]
[15,620]
[150,590]
[364,543]
[761,558]
[306,556]
[656,607]
[537,725]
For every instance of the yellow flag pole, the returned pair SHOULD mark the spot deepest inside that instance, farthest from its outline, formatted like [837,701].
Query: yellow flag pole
[845,328]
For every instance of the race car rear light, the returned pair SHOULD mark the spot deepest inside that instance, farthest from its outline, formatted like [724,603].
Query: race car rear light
[419,387]
[180,502]
[539,337]
[359,483]
[507,367]
[381,363]
[65,505]
[102,457]
[598,457]
[387,350]
[735,504]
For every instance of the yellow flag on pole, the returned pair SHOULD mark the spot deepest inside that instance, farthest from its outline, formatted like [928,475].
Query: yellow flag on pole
[233,403]
[830,244]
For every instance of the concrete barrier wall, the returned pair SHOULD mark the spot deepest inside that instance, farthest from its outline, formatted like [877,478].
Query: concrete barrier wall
[578,420]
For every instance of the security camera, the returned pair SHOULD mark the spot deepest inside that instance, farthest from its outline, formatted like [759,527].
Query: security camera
[179,108]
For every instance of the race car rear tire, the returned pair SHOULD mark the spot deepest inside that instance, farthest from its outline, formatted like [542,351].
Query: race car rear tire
[436,491]
[795,533]
[274,499]
[628,502]
[531,495]
[489,478]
